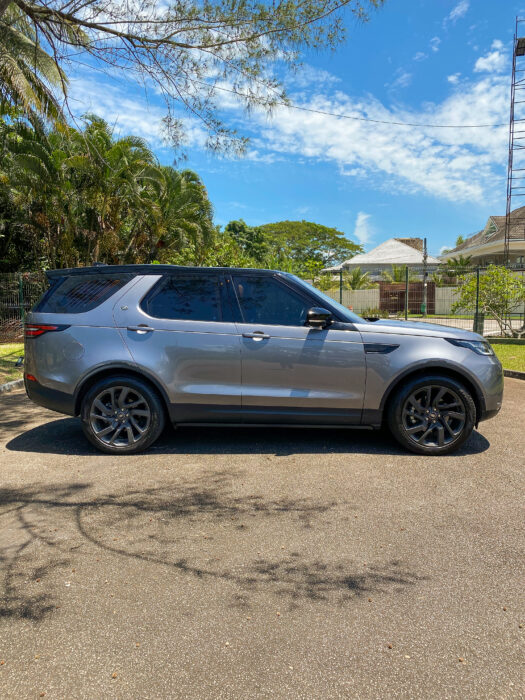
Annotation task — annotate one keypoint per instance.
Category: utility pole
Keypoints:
(425, 275)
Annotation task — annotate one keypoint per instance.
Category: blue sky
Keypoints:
(421, 61)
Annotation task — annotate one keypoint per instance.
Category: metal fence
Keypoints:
(431, 296)
(18, 293)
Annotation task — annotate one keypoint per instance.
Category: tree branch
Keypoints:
(4, 4)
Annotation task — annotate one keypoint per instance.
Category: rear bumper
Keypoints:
(52, 399)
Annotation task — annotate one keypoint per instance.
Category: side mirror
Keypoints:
(318, 317)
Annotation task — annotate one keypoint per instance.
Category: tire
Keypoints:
(431, 415)
(122, 415)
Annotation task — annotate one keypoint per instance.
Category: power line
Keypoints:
(359, 119)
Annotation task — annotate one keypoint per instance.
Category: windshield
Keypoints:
(345, 313)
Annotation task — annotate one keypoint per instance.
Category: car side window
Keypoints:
(264, 300)
(191, 297)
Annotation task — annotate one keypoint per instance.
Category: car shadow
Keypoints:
(65, 437)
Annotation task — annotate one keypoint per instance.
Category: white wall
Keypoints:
(359, 299)
(445, 297)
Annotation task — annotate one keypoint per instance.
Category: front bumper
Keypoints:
(491, 380)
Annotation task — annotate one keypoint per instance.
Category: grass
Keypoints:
(511, 356)
(9, 354)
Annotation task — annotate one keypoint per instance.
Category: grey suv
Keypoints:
(128, 347)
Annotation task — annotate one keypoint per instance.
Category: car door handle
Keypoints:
(256, 335)
(141, 329)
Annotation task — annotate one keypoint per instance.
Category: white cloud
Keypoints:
(459, 11)
(454, 78)
(127, 113)
(434, 43)
(419, 56)
(402, 80)
(308, 75)
(452, 164)
(493, 62)
(363, 230)
(302, 211)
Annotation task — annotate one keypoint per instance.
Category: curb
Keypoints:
(514, 373)
(11, 386)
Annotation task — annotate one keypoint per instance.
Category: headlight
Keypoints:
(479, 346)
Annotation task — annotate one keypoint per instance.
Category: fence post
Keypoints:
(479, 318)
(21, 298)
(341, 286)
(406, 293)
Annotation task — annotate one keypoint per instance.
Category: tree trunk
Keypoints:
(4, 4)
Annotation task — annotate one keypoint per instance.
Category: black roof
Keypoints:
(145, 270)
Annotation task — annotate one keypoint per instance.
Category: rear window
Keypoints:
(80, 293)
(193, 297)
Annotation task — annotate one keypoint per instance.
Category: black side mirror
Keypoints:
(318, 317)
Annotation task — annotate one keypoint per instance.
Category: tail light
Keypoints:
(32, 330)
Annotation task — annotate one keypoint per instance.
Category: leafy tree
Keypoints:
(191, 51)
(326, 282)
(459, 240)
(302, 241)
(251, 240)
(500, 294)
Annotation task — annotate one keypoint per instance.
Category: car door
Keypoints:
(292, 372)
(179, 328)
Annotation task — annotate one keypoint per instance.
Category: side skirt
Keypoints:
(275, 425)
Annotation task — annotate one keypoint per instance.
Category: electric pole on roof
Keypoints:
(515, 225)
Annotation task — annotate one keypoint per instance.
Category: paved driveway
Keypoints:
(256, 564)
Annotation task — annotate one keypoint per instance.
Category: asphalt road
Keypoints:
(260, 564)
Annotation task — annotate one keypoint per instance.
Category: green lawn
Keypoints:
(511, 356)
(9, 354)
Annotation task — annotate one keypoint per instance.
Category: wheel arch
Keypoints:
(446, 371)
(121, 370)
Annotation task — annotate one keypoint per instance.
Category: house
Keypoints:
(394, 251)
(488, 245)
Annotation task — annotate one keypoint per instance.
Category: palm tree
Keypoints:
(186, 215)
(73, 197)
(355, 279)
(398, 274)
(29, 77)
(38, 183)
(458, 265)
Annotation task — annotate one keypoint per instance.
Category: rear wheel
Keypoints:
(122, 415)
(432, 415)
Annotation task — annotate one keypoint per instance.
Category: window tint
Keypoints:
(193, 297)
(266, 300)
(79, 293)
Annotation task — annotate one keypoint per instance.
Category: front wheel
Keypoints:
(122, 415)
(432, 415)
